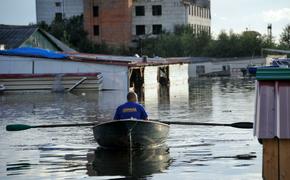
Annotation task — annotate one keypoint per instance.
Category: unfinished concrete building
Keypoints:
(119, 22)
(109, 21)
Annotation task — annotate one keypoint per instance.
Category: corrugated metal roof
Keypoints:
(129, 61)
(57, 42)
(273, 74)
(125, 60)
(14, 36)
(272, 117)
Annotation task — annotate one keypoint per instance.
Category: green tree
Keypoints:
(285, 38)
(182, 42)
(251, 43)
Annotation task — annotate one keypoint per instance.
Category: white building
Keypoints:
(48, 10)
(200, 67)
(152, 17)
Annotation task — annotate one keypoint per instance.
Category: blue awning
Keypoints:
(34, 52)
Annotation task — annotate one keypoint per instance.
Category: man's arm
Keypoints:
(144, 115)
(117, 114)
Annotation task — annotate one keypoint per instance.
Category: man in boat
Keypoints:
(131, 109)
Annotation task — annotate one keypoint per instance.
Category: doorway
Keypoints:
(136, 76)
(163, 76)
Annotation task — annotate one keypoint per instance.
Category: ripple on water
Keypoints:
(194, 151)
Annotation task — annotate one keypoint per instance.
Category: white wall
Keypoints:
(178, 74)
(151, 85)
(217, 66)
(173, 13)
(115, 77)
(8, 66)
(192, 19)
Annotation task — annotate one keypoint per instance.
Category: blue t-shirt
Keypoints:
(130, 110)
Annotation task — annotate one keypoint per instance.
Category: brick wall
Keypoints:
(114, 20)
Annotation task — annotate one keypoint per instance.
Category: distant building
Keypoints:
(122, 21)
(48, 10)
(29, 36)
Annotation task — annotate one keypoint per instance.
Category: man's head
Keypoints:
(132, 97)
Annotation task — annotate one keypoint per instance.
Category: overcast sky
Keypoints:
(226, 14)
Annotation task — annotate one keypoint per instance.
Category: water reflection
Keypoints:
(134, 163)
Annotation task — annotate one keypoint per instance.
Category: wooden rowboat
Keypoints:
(126, 134)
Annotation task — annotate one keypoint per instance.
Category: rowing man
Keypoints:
(131, 109)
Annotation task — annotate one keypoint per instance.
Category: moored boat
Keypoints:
(276, 63)
(51, 82)
(127, 134)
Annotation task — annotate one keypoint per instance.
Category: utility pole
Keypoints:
(269, 30)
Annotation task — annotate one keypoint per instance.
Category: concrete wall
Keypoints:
(150, 77)
(173, 13)
(178, 75)
(150, 85)
(46, 9)
(117, 19)
(115, 77)
(199, 18)
(178, 89)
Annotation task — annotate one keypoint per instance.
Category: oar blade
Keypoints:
(17, 127)
(243, 125)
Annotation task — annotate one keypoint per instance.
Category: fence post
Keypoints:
(272, 121)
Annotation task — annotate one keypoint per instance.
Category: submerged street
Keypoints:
(191, 151)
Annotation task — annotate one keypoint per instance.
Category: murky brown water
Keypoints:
(192, 152)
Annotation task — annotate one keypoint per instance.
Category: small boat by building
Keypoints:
(51, 82)
(276, 63)
(126, 134)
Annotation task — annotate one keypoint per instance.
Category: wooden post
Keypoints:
(270, 159)
(276, 159)
(284, 159)
(272, 122)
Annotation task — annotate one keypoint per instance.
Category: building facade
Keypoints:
(119, 22)
(48, 10)
(109, 21)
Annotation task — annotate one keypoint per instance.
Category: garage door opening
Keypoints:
(136, 77)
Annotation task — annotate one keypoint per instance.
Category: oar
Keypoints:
(20, 127)
(242, 125)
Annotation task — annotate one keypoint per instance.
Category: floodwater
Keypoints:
(191, 152)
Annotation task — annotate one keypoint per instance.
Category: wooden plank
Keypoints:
(77, 84)
(270, 159)
(40, 82)
(284, 159)
(49, 87)
(48, 79)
